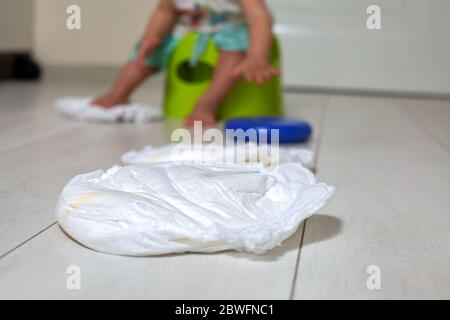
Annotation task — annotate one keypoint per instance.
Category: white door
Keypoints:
(326, 43)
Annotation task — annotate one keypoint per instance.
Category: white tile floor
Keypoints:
(388, 158)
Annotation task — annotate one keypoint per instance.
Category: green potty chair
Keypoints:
(185, 85)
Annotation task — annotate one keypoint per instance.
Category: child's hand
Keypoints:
(256, 70)
(147, 47)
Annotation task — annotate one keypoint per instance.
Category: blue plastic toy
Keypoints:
(290, 130)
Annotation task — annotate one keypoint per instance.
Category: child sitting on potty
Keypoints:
(241, 29)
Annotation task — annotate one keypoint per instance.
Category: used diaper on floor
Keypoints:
(142, 210)
(80, 108)
(238, 153)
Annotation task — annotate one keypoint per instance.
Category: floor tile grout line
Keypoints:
(26, 241)
(297, 262)
(323, 114)
(425, 129)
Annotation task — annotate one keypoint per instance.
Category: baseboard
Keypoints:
(82, 73)
(368, 92)
(18, 66)
(109, 73)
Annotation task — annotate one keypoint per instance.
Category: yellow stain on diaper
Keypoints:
(81, 200)
(253, 159)
(154, 158)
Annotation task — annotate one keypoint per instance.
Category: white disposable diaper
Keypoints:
(241, 153)
(172, 207)
(80, 108)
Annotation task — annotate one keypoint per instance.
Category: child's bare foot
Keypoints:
(109, 101)
(207, 118)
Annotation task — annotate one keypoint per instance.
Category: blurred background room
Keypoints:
(377, 96)
(326, 44)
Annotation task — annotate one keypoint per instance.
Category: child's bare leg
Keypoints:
(130, 77)
(222, 82)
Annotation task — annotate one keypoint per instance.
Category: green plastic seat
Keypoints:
(186, 84)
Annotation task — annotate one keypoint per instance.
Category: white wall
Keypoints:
(109, 29)
(15, 25)
(327, 44)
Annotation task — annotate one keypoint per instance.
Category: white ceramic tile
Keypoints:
(34, 175)
(26, 115)
(433, 116)
(38, 271)
(391, 207)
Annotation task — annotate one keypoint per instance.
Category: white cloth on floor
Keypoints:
(142, 210)
(248, 153)
(80, 108)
